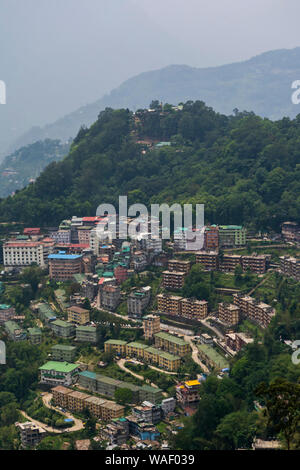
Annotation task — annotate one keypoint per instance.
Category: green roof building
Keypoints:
(63, 328)
(86, 334)
(58, 373)
(14, 331)
(35, 335)
(63, 352)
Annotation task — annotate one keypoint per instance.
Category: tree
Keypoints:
(282, 400)
(123, 396)
(237, 430)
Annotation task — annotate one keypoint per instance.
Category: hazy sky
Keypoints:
(57, 55)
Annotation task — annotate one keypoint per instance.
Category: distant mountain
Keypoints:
(26, 164)
(261, 84)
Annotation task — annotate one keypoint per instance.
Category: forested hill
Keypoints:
(245, 169)
(24, 165)
(261, 84)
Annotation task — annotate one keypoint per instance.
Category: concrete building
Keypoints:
(34, 335)
(135, 349)
(208, 259)
(256, 263)
(138, 301)
(62, 328)
(14, 331)
(63, 352)
(86, 334)
(194, 309)
(115, 346)
(173, 280)
(62, 267)
(151, 325)
(289, 266)
(171, 344)
(206, 339)
(6, 313)
(78, 315)
(228, 313)
(179, 265)
(211, 238)
(170, 304)
(236, 341)
(110, 297)
(188, 392)
(23, 253)
(257, 311)
(232, 235)
(30, 433)
(229, 262)
(290, 232)
(58, 373)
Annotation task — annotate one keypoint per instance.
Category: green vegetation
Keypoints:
(245, 169)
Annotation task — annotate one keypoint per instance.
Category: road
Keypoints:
(195, 354)
(78, 424)
(42, 425)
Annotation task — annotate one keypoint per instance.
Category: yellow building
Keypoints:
(151, 325)
(136, 350)
(168, 361)
(78, 315)
(115, 346)
(172, 344)
(77, 401)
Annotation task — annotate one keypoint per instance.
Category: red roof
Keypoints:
(22, 244)
(30, 230)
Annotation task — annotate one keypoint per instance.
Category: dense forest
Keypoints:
(245, 169)
(26, 164)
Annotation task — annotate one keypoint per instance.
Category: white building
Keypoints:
(23, 253)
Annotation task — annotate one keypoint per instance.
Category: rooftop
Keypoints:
(59, 366)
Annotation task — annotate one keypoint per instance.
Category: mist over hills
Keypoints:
(261, 84)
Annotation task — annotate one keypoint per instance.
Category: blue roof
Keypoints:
(63, 256)
(87, 373)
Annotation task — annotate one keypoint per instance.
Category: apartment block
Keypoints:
(179, 265)
(229, 262)
(14, 331)
(76, 401)
(289, 266)
(208, 259)
(255, 263)
(257, 311)
(30, 433)
(58, 373)
(138, 301)
(63, 352)
(151, 325)
(172, 344)
(6, 313)
(86, 334)
(290, 232)
(173, 280)
(232, 235)
(236, 341)
(34, 335)
(115, 346)
(135, 349)
(170, 304)
(78, 315)
(188, 392)
(23, 253)
(228, 313)
(110, 297)
(194, 309)
(62, 267)
(62, 328)
(211, 238)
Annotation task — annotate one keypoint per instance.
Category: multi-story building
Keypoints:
(228, 313)
(206, 339)
(173, 279)
(23, 253)
(170, 304)
(14, 331)
(255, 263)
(78, 315)
(251, 308)
(115, 346)
(62, 267)
(179, 265)
(139, 261)
(46, 313)
(289, 266)
(290, 232)
(236, 341)
(34, 335)
(151, 325)
(6, 313)
(211, 238)
(171, 344)
(110, 297)
(194, 309)
(188, 392)
(61, 237)
(62, 328)
(232, 235)
(58, 373)
(76, 401)
(229, 262)
(30, 433)
(60, 395)
(135, 349)
(121, 274)
(208, 259)
(137, 301)
(63, 352)
(148, 412)
(86, 334)
(84, 235)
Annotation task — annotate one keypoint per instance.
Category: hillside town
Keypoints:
(127, 346)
